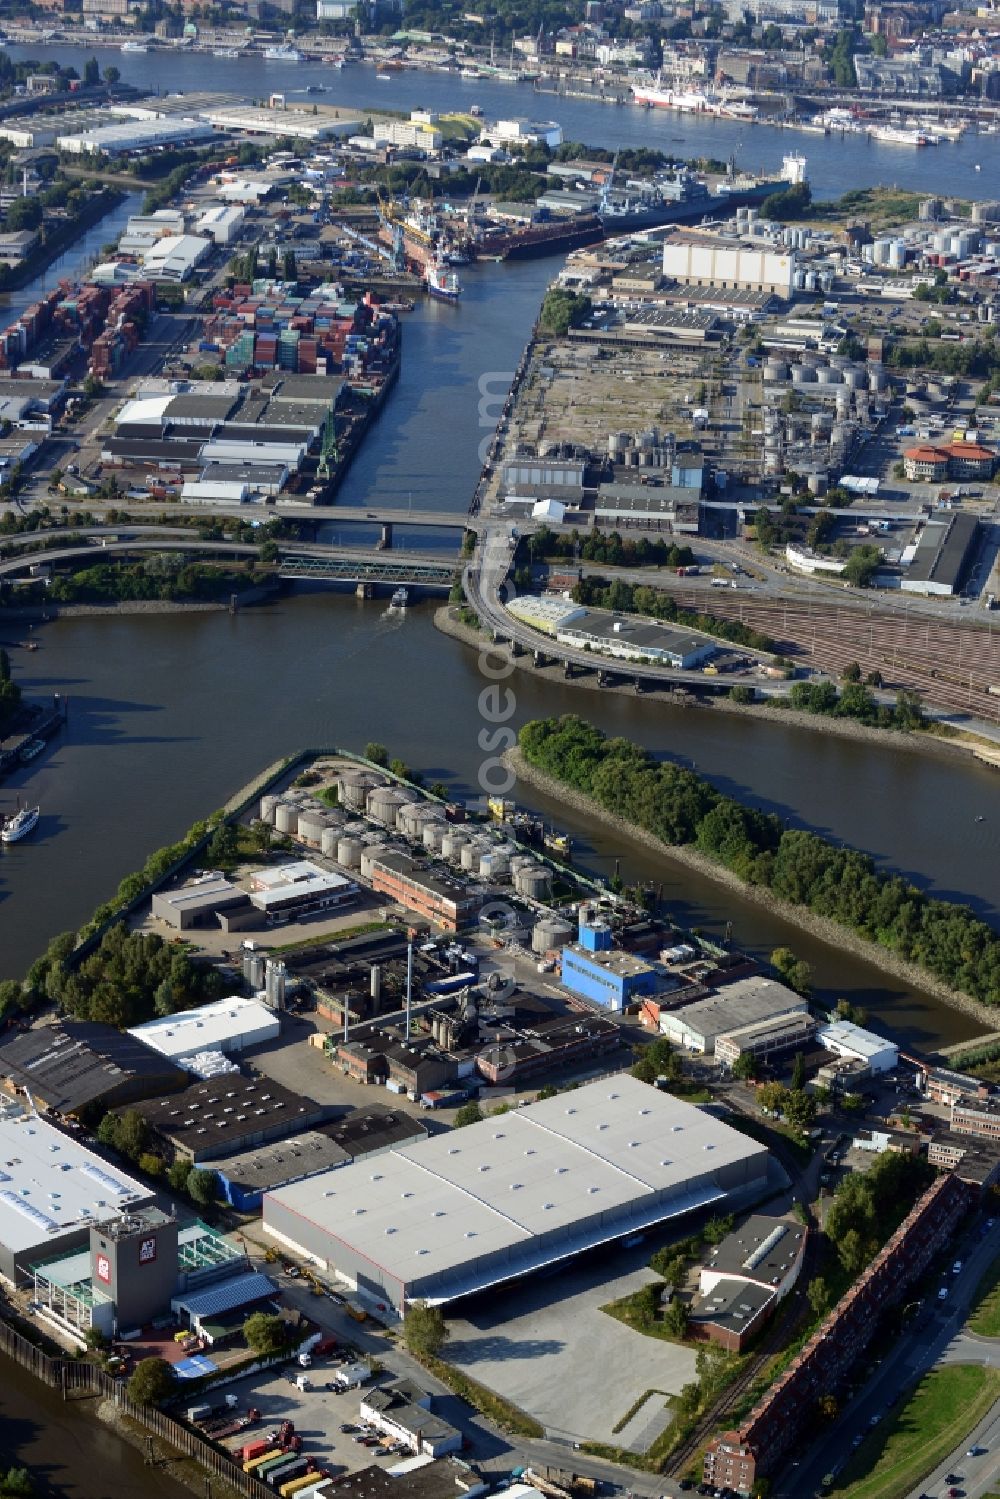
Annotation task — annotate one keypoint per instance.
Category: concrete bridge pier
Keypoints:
(568, 670)
(365, 590)
(540, 659)
(385, 541)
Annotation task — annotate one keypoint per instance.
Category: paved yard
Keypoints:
(550, 1349)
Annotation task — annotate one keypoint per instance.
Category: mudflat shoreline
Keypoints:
(825, 930)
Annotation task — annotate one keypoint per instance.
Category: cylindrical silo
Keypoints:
(286, 817)
(383, 804)
(550, 933)
(535, 883)
(311, 827)
(267, 806)
(349, 853)
(433, 836)
(452, 843)
(775, 370)
(472, 853)
(353, 787)
(803, 374)
(328, 842)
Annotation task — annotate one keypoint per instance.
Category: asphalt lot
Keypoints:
(549, 1348)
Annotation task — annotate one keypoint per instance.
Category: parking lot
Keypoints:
(550, 1349)
(317, 1413)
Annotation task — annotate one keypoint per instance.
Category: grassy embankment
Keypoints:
(985, 1318)
(940, 1413)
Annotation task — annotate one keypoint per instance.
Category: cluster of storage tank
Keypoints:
(816, 281)
(649, 449)
(299, 815)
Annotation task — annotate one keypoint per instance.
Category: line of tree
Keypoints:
(131, 977)
(609, 548)
(944, 938)
(855, 700)
(639, 598)
(10, 693)
(165, 578)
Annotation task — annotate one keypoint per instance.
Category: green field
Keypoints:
(938, 1416)
(985, 1318)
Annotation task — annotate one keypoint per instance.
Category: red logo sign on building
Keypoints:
(104, 1268)
(147, 1251)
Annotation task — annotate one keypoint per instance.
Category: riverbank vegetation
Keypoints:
(131, 977)
(609, 548)
(797, 866)
(10, 693)
(166, 578)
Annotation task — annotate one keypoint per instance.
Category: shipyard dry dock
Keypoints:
(469, 1210)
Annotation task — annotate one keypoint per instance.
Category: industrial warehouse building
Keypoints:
(219, 1116)
(463, 1212)
(228, 1026)
(628, 638)
(743, 1003)
(707, 259)
(442, 900)
(77, 1063)
(937, 561)
(849, 1040)
(52, 1190)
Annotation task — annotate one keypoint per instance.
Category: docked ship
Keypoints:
(684, 198)
(282, 54)
(20, 825)
(225, 52)
(441, 282)
(901, 135)
(134, 47)
(686, 100)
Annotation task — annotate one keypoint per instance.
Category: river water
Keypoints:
(170, 714)
(835, 165)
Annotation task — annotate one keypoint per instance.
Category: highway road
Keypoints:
(934, 1328)
(192, 543)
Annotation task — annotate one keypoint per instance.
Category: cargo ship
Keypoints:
(684, 198)
(441, 282)
(901, 135)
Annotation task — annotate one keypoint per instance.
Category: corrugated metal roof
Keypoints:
(253, 1285)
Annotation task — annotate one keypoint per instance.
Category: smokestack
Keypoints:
(409, 985)
(376, 985)
(347, 1017)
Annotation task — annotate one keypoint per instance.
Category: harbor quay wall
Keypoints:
(78, 1380)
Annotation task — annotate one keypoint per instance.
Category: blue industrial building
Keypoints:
(592, 969)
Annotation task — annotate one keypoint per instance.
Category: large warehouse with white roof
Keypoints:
(463, 1211)
(51, 1190)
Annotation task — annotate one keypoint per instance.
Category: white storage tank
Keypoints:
(550, 933)
(267, 806)
(452, 844)
(312, 826)
(803, 374)
(433, 836)
(328, 842)
(384, 803)
(495, 864)
(349, 853)
(354, 786)
(286, 817)
(775, 370)
(473, 852)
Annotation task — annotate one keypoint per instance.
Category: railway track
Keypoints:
(951, 665)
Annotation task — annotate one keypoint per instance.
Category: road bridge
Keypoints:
(315, 561)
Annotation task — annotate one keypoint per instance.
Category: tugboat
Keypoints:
(400, 599)
(20, 825)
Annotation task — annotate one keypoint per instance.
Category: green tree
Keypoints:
(772, 1097)
(152, 1382)
(745, 1066)
(202, 1185)
(376, 753)
(424, 1329)
(469, 1113)
(178, 1173)
(107, 1131)
(132, 1134)
(798, 1073)
(91, 73)
(674, 1272)
(223, 845)
(111, 76)
(675, 1318)
(796, 973)
(851, 672)
(800, 1110)
(17, 1484)
(264, 1334)
(818, 1296)
(289, 270)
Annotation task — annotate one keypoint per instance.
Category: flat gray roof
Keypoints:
(742, 1003)
(942, 550)
(637, 632)
(760, 1248)
(573, 1166)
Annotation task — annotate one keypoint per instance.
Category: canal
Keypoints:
(65, 1447)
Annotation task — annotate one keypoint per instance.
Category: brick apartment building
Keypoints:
(737, 1459)
(442, 900)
